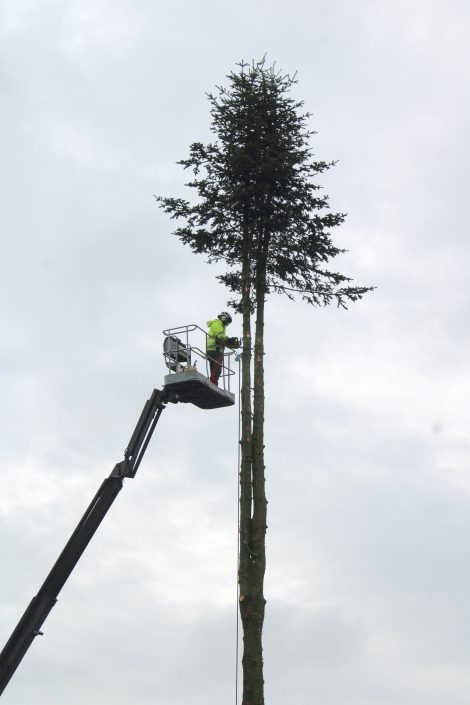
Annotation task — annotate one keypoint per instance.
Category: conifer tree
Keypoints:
(258, 210)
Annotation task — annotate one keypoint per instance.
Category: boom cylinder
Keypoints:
(38, 609)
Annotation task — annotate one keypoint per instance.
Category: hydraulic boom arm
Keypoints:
(31, 622)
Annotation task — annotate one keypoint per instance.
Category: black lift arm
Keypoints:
(31, 622)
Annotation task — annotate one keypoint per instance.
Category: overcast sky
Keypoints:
(368, 410)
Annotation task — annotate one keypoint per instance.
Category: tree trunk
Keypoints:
(253, 522)
(250, 658)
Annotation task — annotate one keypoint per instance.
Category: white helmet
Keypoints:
(225, 317)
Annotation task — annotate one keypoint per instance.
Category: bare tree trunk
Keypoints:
(253, 521)
(246, 433)
(249, 660)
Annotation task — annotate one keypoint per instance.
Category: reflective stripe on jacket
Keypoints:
(216, 334)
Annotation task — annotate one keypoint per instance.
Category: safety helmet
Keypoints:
(225, 317)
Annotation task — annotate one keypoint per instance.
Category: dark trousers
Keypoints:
(216, 360)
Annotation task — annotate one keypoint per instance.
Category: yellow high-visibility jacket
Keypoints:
(216, 337)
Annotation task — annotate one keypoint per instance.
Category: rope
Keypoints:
(238, 530)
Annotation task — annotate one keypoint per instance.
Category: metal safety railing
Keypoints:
(186, 346)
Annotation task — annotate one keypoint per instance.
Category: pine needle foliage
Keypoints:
(255, 189)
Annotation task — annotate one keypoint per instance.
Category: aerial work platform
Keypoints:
(196, 388)
(184, 383)
(183, 348)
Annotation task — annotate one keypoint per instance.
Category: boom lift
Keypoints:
(185, 384)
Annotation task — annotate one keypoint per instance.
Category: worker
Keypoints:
(216, 342)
